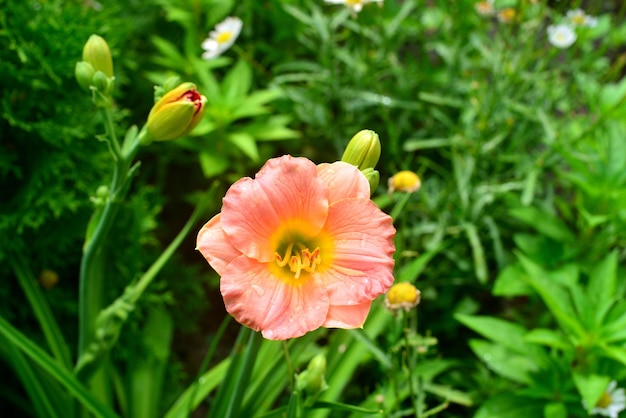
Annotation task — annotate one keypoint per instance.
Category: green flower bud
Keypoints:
(100, 82)
(176, 113)
(97, 53)
(373, 177)
(363, 150)
(84, 72)
(312, 380)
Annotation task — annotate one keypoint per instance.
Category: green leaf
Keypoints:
(195, 394)
(412, 144)
(553, 295)
(548, 338)
(503, 361)
(169, 51)
(337, 406)
(31, 381)
(478, 253)
(508, 334)
(55, 370)
(212, 164)
(246, 143)
(615, 328)
(611, 95)
(227, 402)
(348, 354)
(298, 14)
(449, 394)
(254, 104)
(544, 222)
(555, 410)
(382, 357)
(237, 81)
(145, 379)
(272, 373)
(602, 285)
(410, 272)
(616, 353)
(510, 405)
(591, 387)
(42, 311)
(272, 129)
(510, 282)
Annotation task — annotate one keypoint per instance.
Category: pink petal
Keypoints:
(285, 189)
(362, 265)
(343, 180)
(347, 317)
(280, 307)
(215, 246)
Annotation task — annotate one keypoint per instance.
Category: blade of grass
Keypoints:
(55, 369)
(42, 311)
(29, 379)
(229, 396)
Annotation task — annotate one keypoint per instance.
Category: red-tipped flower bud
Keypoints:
(176, 113)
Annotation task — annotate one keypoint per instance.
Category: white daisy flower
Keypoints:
(578, 17)
(222, 38)
(612, 402)
(561, 36)
(355, 5)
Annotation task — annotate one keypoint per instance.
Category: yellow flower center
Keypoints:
(223, 37)
(298, 257)
(298, 250)
(353, 2)
(604, 401)
(579, 19)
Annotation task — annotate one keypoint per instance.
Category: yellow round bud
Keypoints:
(404, 181)
(402, 296)
(48, 279)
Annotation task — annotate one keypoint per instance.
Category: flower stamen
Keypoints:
(300, 259)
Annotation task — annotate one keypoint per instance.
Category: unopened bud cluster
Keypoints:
(312, 380)
(96, 68)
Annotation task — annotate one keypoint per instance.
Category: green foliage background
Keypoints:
(519, 145)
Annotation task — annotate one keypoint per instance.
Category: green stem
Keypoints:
(415, 395)
(110, 320)
(154, 269)
(289, 366)
(93, 263)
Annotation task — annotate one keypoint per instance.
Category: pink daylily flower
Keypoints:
(300, 247)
